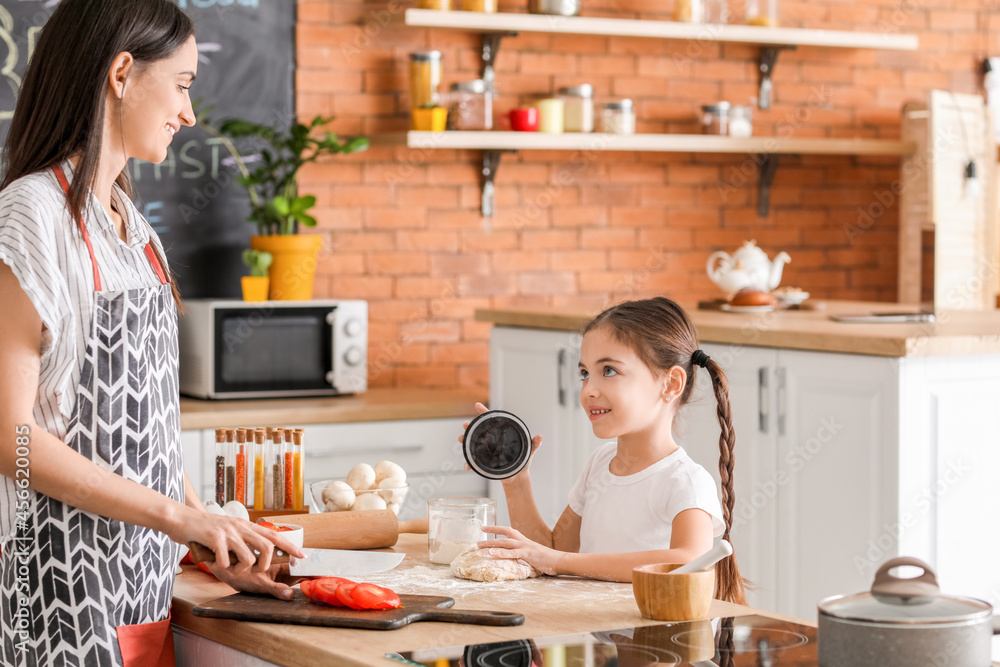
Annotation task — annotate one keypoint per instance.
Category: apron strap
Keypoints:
(154, 262)
(83, 228)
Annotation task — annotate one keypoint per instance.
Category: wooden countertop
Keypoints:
(551, 606)
(373, 405)
(954, 332)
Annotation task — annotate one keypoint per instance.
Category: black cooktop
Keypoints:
(742, 641)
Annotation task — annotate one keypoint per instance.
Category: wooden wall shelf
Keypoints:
(768, 149)
(583, 25)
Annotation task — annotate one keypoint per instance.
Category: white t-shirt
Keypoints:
(39, 241)
(630, 513)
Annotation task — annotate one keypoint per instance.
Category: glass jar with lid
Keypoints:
(425, 78)
(470, 106)
(618, 117)
(455, 524)
(725, 119)
(578, 108)
(486, 6)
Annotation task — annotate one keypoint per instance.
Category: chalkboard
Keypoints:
(246, 69)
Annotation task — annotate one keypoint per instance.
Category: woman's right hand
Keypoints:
(223, 534)
(535, 443)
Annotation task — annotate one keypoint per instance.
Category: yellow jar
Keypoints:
(425, 78)
(435, 4)
(485, 6)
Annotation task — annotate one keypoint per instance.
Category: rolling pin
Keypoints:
(368, 529)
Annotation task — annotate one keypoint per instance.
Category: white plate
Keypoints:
(745, 309)
(790, 298)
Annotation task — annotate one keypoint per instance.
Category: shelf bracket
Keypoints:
(765, 178)
(768, 59)
(491, 47)
(491, 163)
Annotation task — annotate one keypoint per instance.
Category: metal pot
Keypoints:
(556, 7)
(905, 622)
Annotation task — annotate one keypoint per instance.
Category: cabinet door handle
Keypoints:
(763, 398)
(311, 453)
(780, 372)
(560, 369)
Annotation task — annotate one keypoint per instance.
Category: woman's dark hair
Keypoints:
(663, 336)
(61, 107)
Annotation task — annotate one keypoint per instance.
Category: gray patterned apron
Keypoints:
(84, 575)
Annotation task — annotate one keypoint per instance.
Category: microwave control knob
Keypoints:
(331, 378)
(353, 356)
(331, 318)
(352, 327)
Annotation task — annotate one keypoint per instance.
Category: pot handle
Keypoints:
(896, 590)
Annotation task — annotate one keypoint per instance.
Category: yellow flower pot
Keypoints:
(430, 120)
(255, 288)
(294, 264)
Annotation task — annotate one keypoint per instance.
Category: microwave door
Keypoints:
(287, 352)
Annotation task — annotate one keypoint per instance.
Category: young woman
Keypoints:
(640, 499)
(94, 502)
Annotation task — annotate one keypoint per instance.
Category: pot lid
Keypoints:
(897, 601)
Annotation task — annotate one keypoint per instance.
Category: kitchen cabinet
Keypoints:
(843, 461)
(534, 374)
(427, 449)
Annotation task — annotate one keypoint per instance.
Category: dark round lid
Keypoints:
(497, 444)
(499, 654)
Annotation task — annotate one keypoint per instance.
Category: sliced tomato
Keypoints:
(370, 596)
(325, 590)
(205, 568)
(266, 524)
(344, 595)
(307, 588)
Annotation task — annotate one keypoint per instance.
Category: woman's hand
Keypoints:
(523, 473)
(516, 545)
(264, 582)
(252, 544)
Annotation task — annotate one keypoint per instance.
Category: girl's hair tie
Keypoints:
(699, 358)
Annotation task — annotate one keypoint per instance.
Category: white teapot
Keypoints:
(747, 268)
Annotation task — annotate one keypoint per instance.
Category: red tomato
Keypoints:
(325, 590)
(307, 588)
(344, 595)
(370, 596)
(266, 524)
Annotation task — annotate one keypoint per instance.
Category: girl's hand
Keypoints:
(535, 443)
(516, 545)
(223, 534)
(264, 582)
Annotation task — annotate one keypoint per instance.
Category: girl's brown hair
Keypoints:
(60, 109)
(663, 336)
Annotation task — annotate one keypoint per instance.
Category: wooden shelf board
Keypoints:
(665, 143)
(583, 25)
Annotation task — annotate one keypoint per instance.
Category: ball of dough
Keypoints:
(236, 509)
(338, 494)
(477, 565)
(394, 507)
(361, 477)
(369, 501)
(387, 469)
(390, 489)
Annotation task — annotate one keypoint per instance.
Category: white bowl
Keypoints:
(296, 535)
(398, 494)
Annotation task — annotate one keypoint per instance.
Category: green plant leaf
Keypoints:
(356, 145)
(303, 204)
(306, 220)
(282, 206)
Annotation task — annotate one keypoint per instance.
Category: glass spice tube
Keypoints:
(258, 469)
(277, 463)
(289, 469)
(220, 466)
(298, 475)
(240, 493)
(230, 464)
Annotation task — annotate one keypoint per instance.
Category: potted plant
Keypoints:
(430, 118)
(255, 286)
(277, 206)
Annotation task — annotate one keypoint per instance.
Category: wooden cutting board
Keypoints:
(300, 611)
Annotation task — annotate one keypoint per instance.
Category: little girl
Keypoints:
(640, 499)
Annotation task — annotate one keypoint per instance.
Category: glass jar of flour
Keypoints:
(454, 524)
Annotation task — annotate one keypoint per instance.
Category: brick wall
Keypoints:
(403, 228)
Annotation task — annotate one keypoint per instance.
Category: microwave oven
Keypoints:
(273, 349)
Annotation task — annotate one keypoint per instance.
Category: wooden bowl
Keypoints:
(662, 596)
